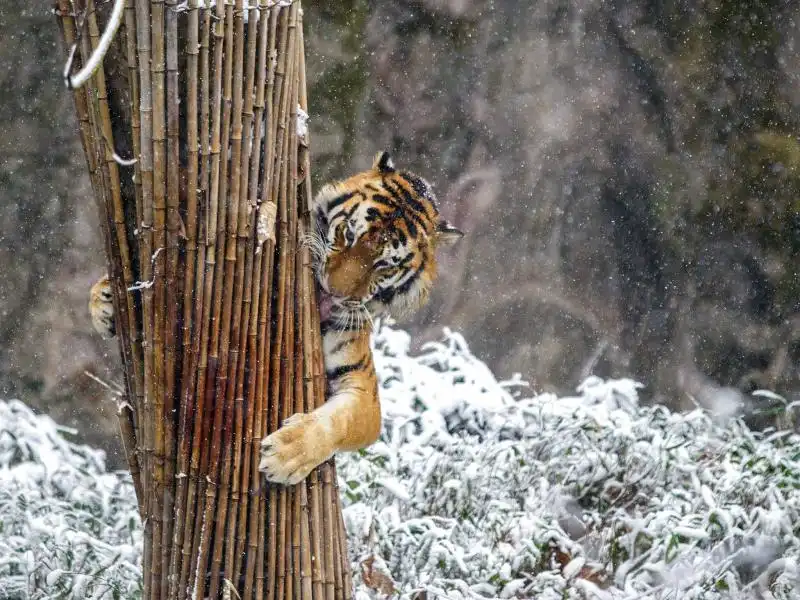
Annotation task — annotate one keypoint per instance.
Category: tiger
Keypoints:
(373, 243)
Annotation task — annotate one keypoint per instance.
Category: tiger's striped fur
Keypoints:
(373, 249)
(373, 246)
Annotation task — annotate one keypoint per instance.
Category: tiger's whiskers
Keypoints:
(316, 244)
(352, 316)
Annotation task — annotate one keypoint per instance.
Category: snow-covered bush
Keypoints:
(68, 529)
(475, 490)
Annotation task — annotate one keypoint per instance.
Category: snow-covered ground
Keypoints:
(477, 489)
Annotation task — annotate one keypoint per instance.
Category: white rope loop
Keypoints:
(95, 60)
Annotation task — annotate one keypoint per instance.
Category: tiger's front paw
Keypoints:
(101, 308)
(291, 453)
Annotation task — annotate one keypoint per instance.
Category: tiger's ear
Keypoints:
(446, 234)
(383, 163)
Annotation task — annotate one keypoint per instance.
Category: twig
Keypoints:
(115, 389)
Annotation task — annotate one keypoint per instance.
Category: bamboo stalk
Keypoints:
(134, 328)
(294, 402)
(146, 211)
(347, 576)
(282, 357)
(217, 35)
(124, 304)
(260, 368)
(264, 74)
(299, 576)
(277, 498)
(194, 388)
(291, 402)
(333, 576)
(222, 167)
(174, 286)
(251, 478)
(232, 297)
(240, 496)
(133, 82)
(145, 230)
(266, 558)
(205, 101)
(303, 359)
(194, 491)
(259, 510)
(159, 139)
(189, 365)
(293, 542)
(320, 548)
(314, 388)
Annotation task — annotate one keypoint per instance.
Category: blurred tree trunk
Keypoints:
(214, 300)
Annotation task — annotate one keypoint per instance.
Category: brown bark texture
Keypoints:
(198, 158)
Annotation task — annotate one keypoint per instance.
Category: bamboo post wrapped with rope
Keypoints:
(194, 133)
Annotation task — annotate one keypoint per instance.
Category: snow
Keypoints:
(68, 528)
(302, 122)
(476, 489)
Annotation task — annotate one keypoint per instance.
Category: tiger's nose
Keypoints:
(349, 236)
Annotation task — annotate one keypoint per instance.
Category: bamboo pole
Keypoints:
(258, 349)
(245, 251)
(145, 230)
(192, 276)
(194, 384)
(293, 401)
(134, 329)
(214, 292)
(159, 324)
(174, 287)
(314, 390)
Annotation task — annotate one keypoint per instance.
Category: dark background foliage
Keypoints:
(628, 174)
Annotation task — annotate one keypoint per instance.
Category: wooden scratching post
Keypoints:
(193, 126)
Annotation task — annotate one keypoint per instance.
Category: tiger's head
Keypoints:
(374, 242)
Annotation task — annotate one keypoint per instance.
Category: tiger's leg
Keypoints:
(349, 420)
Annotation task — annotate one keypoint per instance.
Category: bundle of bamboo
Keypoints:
(214, 297)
